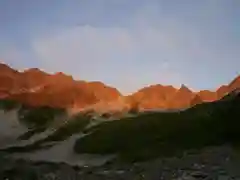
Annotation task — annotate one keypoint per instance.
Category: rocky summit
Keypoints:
(37, 88)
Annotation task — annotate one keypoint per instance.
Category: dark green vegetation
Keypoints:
(7, 105)
(38, 117)
(154, 134)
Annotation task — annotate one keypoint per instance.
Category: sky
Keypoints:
(127, 44)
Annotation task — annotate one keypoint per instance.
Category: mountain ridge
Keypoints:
(38, 88)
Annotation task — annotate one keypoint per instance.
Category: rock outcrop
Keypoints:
(38, 88)
(168, 97)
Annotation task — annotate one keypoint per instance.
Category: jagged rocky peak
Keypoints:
(234, 84)
(59, 74)
(62, 75)
(222, 91)
(4, 68)
(62, 78)
(185, 89)
(85, 93)
(63, 88)
(235, 92)
(33, 70)
(156, 86)
(232, 95)
(183, 86)
(226, 89)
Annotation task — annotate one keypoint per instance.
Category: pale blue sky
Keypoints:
(125, 43)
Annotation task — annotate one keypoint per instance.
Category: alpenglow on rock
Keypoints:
(37, 88)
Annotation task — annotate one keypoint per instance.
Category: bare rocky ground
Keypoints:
(212, 163)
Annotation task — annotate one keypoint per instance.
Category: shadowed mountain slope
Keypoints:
(153, 134)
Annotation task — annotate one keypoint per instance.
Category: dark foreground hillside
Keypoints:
(156, 134)
(212, 163)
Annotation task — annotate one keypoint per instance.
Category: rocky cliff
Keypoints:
(37, 88)
(168, 97)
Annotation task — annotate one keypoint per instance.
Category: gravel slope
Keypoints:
(212, 163)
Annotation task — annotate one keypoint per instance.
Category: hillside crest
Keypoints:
(38, 88)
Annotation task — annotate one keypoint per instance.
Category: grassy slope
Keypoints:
(38, 117)
(155, 134)
(8, 105)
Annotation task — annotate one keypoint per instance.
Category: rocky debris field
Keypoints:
(212, 163)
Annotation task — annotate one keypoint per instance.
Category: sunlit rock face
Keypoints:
(38, 88)
(119, 105)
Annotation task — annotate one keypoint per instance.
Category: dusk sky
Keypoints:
(127, 44)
